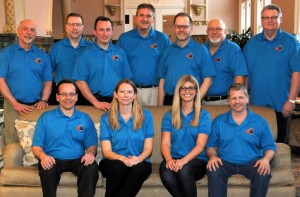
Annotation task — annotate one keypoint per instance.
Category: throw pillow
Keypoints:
(25, 131)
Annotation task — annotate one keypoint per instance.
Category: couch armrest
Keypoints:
(282, 157)
(13, 155)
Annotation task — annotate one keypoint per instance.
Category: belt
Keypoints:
(107, 99)
(215, 98)
(146, 86)
(27, 103)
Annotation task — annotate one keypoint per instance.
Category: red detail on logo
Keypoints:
(190, 56)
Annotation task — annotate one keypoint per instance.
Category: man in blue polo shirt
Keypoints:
(25, 75)
(144, 46)
(65, 140)
(101, 66)
(274, 72)
(240, 142)
(183, 57)
(229, 62)
(64, 53)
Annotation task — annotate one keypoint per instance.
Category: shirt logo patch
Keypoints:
(38, 60)
(279, 48)
(189, 56)
(218, 59)
(250, 131)
(153, 46)
(79, 128)
(115, 57)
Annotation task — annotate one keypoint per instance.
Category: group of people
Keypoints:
(144, 69)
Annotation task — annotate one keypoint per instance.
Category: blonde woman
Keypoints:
(127, 140)
(185, 131)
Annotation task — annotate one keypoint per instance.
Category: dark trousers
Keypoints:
(87, 177)
(283, 127)
(182, 183)
(168, 99)
(217, 180)
(123, 181)
(52, 99)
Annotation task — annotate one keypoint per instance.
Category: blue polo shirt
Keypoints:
(183, 140)
(229, 62)
(25, 71)
(193, 59)
(239, 144)
(102, 69)
(270, 67)
(126, 141)
(143, 54)
(64, 137)
(63, 58)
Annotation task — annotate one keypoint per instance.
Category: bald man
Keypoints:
(228, 60)
(25, 75)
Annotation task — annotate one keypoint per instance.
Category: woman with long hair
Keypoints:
(185, 131)
(127, 140)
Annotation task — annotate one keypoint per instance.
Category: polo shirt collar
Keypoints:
(67, 42)
(32, 48)
(111, 47)
(190, 44)
(60, 114)
(151, 33)
(277, 37)
(249, 118)
(223, 44)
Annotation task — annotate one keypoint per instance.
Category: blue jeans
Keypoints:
(217, 180)
(182, 183)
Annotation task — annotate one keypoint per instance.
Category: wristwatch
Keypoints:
(292, 101)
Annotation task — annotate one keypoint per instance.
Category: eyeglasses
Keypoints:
(190, 88)
(64, 94)
(266, 18)
(217, 29)
(74, 24)
(181, 26)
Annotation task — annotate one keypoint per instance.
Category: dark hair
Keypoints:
(64, 81)
(102, 18)
(73, 14)
(236, 87)
(272, 7)
(183, 14)
(145, 5)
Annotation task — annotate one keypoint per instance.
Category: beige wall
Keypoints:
(2, 15)
(288, 15)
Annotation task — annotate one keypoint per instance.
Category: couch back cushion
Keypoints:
(158, 113)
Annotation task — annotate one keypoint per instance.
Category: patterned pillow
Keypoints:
(25, 131)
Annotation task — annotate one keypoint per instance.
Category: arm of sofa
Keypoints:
(13, 155)
(282, 157)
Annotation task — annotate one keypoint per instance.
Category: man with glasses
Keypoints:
(65, 140)
(25, 76)
(274, 73)
(64, 53)
(228, 60)
(185, 56)
(101, 66)
(144, 46)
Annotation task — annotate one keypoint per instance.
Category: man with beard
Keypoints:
(101, 66)
(65, 140)
(229, 62)
(240, 142)
(25, 76)
(185, 56)
(64, 53)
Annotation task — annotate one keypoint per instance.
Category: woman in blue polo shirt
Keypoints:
(127, 140)
(185, 131)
